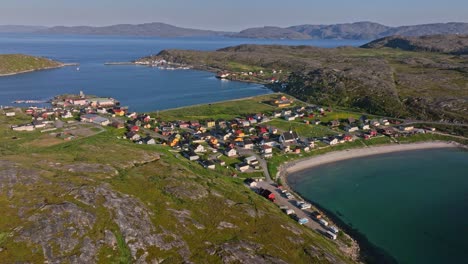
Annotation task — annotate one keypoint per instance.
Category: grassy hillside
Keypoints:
(18, 63)
(451, 44)
(392, 82)
(106, 200)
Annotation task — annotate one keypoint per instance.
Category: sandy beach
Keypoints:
(361, 152)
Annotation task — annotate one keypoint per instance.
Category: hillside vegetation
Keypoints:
(452, 44)
(102, 199)
(392, 82)
(18, 63)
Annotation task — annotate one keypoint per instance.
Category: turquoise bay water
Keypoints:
(413, 204)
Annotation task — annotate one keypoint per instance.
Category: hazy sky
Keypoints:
(230, 15)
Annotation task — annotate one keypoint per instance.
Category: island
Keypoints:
(11, 64)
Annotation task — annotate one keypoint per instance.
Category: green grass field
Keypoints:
(14, 63)
(302, 129)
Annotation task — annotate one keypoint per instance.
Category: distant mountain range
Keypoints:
(148, 29)
(358, 30)
(20, 29)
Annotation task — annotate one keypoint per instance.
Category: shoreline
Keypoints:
(367, 250)
(334, 156)
(41, 69)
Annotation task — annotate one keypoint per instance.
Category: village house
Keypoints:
(230, 152)
(101, 111)
(190, 155)
(117, 124)
(79, 101)
(208, 164)
(248, 144)
(197, 148)
(286, 113)
(118, 112)
(331, 141)
(250, 182)
(220, 162)
(289, 118)
(10, 114)
(101, 102)
(92, 118)
(242, 167)
(347, 137)
(288, 137)
(149, 140)
(364, 126)
(67, 114)
(221, 124)
(39, 124)
(267, 151)
(210, 123)
(184, 125)
(351, 128)
(384, 122)
(334, 123)
(375, 123)
(282, 102)
(268, 142)
(25, 127)
(406, 128)
(134, 136)
(252, 160)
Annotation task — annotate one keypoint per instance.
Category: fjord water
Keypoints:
(413, 205)
(141, 88)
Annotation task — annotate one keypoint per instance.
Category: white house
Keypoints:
(351, 128)
(230, 152)
(252, 160)
(198, 148)
(242, 167)
(365, 126)
(332, 141)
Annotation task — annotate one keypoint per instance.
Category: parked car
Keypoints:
(303, 221)
(323, 222)
(330, 235)
(334, 229)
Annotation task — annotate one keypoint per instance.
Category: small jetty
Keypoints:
(119, 63)
(30, 102)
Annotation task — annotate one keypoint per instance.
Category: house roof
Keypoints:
(290, 135)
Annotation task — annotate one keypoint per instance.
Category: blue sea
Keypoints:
(139, 87)
(412, 205)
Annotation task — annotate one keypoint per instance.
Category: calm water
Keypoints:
(141, 88)
(412, 204)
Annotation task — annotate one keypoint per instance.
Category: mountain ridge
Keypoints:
(356, 30)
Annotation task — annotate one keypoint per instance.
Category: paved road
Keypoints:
(281, 200)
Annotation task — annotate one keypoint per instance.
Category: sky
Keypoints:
(233, 15)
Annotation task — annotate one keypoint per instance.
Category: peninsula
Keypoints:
(11, 64)
(386, 79)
